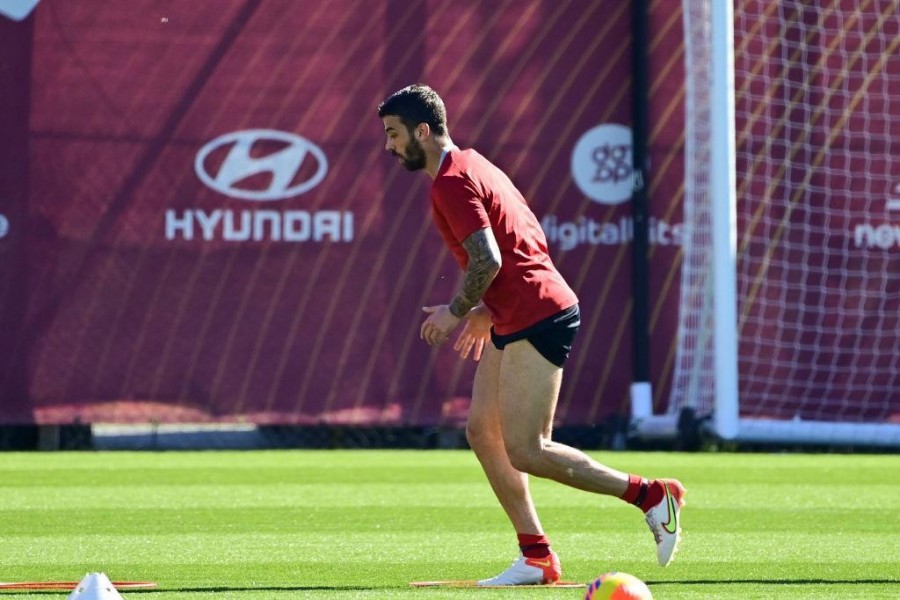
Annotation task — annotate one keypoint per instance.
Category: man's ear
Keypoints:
(423, 130)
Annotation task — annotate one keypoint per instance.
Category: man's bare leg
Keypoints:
(528, 390)
(485, 438)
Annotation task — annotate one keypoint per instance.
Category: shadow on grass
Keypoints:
(893, 581)
(220, 589)
(339, 588)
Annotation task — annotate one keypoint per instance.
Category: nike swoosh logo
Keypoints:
(673, 512)
(539, 563)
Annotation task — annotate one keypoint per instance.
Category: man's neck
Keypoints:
(435, 156)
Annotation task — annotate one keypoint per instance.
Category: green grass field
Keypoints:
(362, 524)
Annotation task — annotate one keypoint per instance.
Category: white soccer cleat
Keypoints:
(664, 520)
(528, 571)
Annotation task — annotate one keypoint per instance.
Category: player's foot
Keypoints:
(664, 519)
(528, 571)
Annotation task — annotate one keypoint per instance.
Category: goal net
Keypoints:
(817, 195)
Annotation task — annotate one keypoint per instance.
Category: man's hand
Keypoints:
(437, 327)
(475, 334)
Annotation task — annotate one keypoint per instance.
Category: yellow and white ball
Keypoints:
(618, 586)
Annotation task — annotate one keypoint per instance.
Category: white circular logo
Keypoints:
(284, 164)
(601, 163)
(4, 226)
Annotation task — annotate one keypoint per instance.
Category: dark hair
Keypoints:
(416, 104)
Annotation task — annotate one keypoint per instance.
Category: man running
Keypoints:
(519, 320)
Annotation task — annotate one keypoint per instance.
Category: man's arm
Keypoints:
(484, 264)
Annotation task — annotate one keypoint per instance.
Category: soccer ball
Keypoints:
(618, 586)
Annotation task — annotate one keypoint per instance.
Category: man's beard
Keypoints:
(415, 159)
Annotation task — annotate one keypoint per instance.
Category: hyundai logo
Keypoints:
(284, 165)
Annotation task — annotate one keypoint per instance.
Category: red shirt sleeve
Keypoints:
(460, 204)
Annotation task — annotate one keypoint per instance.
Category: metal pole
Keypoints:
(723, 194)
(641, 395)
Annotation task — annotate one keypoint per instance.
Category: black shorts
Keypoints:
(552, 337)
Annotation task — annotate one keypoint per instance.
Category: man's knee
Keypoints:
(480, 435)
(524, 457)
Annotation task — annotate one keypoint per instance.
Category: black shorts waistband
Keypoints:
(551, 337)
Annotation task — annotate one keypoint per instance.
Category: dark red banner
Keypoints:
(205, 226)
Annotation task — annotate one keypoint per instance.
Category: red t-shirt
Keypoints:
(469, 193)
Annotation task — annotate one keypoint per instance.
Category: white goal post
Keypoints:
(789, 324)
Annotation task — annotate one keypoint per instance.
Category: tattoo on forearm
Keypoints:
(484, 263)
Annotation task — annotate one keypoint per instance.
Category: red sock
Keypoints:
(534, 546)
(655, 493)
(642, 493)
(636, 485)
